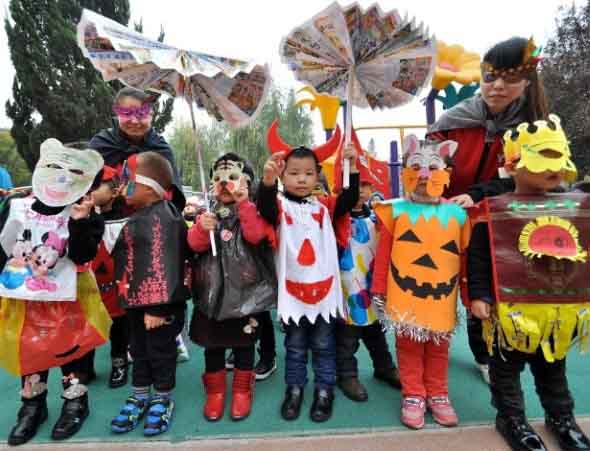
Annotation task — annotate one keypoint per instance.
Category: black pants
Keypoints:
(550, 383)
(80, 368)
(267, 344)
(243, 358)
(119, 336)
(154, 351)
(477, 344)
(347, 344)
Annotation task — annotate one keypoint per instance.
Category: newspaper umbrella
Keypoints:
(228, 89)
(368, 58)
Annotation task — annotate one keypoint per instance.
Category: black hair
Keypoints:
(230, 156)
(155, 166)
(134, 93)
(304, 152)
(509, 54)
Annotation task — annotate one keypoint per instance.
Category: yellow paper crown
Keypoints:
(526, 142)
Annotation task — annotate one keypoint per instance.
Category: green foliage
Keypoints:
(57, 93)
(12, 162)
(249, 142)
(566, 75)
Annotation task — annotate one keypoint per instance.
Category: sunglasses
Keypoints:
(511, 79)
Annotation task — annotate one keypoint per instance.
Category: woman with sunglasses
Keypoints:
(511, 93)
(132, 133)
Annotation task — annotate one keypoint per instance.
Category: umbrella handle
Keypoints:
(348, 125)
(201, 173)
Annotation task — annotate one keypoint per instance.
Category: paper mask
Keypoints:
(524, 148)
(229, 175)
(64, 175)
(426, 160)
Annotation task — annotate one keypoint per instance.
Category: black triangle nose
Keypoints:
(426, 261)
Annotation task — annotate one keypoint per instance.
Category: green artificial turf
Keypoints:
(467, 390)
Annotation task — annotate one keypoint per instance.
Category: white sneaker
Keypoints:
(182, 351)
(484, 369)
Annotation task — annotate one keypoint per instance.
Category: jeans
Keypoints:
(317, 337)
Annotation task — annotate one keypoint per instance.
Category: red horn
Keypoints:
(274, 141)
(327, 149)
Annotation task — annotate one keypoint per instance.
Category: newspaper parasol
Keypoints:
(228, 89)
(368, 58)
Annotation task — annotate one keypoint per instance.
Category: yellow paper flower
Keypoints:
(551, 236)
(455, 64)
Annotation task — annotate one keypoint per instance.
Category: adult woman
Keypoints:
(132, 133)
(511, 93)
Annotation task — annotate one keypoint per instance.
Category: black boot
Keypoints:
(353, 389)
(119, 372)
(568, 433)
(519, 434)
(389, 375)
(73, 414)
(292, 403)
(321, 409)
(31, 415)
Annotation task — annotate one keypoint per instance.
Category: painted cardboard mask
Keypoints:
(64, 175)
(229, 175)
(426, 160)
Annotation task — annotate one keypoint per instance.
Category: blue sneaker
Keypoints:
(159, 416)
(129, 416)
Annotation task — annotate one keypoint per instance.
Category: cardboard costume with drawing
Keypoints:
(51, 310)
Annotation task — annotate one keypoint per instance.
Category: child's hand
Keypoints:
(242, 192)
(480, 309)
(208, 221)
(273, 168)
(463, 200)
(153, 322)
(349, 153)
(83, 209)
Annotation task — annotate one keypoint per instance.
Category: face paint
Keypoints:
(523, 149)
(125, 114)
(229, 175)
(63, 175)
(426, 161)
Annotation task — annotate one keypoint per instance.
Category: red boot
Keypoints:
(215, 390)
(242, 394)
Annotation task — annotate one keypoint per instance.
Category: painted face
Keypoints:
(229, 176)
(425, 171)
(64, 175)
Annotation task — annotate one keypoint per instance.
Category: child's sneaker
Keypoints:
(181, 350)
(159, 416)
(265, 368)
(413, 410)
(442, 411)
(133, 411)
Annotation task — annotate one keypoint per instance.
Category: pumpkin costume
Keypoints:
(528, 259)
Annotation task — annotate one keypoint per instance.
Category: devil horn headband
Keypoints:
(276, 144)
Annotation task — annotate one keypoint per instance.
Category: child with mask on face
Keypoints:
(47, 241)
(416, 278)
(150, 251)
(310, 294)
(232, 289)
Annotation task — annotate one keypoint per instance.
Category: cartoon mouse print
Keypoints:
(43, 259)
(17, 268)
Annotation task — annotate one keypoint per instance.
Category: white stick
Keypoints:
(201, 171)
(346, 162)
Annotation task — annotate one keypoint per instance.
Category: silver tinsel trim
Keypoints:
(33, 387)
(75, 390)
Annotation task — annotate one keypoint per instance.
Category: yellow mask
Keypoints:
(526, 147)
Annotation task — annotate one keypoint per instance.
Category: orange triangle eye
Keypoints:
(306, 255)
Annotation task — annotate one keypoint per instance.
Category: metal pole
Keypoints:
(394, 166)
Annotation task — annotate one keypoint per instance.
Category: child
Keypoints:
(47, 240)
(149, 253)
(361, 322)
(111, 205)
(537, 290)
(310, 294)
(416, 268)
(232, 289)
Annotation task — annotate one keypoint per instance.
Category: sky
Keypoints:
(253, 30)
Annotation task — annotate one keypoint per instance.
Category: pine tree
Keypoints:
(566, 75)
(56, 91)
